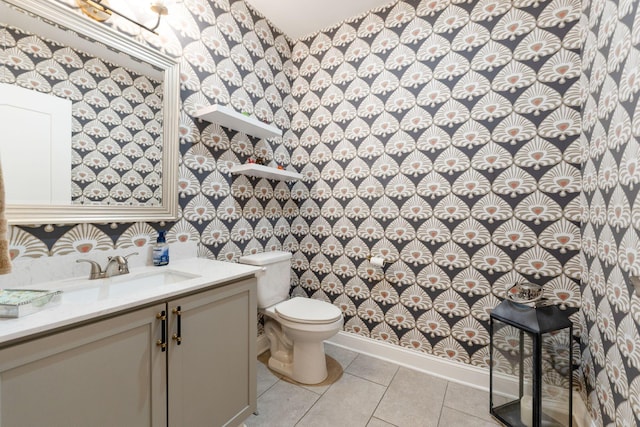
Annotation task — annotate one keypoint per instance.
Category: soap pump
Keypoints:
(161, 250)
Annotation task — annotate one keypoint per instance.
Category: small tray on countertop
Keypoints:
(20, 302)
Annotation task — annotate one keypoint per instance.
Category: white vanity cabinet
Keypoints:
(105, 373)
(117, 371)
(212, 357)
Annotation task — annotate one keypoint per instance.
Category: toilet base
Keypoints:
(309, 365)
(299, 354)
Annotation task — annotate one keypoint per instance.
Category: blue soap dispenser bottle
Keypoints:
(161, 250)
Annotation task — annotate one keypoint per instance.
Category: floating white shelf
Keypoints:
(262, 171)
(231, 119)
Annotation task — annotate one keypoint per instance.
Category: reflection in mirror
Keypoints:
(117, 158)
(36, 145)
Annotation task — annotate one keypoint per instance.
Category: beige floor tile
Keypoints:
(266, 378)
(318, 389)
(360, 398)
(282, 406)
(343, 356)
(468, 400)
(413, 399)
(375, 422)
(372, 369)
(452, 418)
(348, 402)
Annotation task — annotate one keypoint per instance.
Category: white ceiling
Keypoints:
(299, 18)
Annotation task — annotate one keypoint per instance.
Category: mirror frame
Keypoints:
(55, 15)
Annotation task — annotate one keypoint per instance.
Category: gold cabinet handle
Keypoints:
(177, 337)
(162, 342)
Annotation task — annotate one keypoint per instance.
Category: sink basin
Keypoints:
(121, 286)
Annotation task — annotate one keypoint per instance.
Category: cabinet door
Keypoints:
(105, 373)
(212, 370)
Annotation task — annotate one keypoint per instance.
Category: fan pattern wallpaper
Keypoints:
(442, 136)
(611, 210)
(116, 141)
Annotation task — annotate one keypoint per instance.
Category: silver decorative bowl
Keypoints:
(525, 293)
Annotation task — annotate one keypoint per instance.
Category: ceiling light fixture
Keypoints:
(100, 11)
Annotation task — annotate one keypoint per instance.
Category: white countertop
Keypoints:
(207, 273)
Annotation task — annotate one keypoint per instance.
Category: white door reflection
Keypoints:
(35, 146)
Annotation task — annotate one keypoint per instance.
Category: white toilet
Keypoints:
(296, 327)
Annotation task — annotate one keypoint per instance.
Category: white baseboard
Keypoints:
(469, 375)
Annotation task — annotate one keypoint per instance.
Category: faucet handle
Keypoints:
(96, 271)
(123, 262)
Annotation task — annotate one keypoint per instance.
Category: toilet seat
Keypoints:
(308, 311)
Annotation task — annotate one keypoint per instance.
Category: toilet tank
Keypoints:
(275, 280)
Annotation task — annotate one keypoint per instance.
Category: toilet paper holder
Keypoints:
(376, 261)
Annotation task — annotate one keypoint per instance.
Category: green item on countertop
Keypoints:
(19, 302)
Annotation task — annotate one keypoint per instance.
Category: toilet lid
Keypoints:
(307, 310)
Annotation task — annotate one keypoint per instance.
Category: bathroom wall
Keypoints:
(227, 54)
(610, 210)
(442, 136)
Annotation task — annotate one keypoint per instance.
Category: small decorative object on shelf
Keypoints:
(281, 167)
(530, 360)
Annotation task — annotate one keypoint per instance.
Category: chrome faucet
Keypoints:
(120, 261)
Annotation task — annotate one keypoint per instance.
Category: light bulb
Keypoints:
(159, 7)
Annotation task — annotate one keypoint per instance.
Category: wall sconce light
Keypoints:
(100, 11)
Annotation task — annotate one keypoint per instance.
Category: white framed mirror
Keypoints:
(123, 96)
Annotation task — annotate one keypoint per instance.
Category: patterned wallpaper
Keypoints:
(232, 57)
(442, 136)
(227, 55)
(116, 139)
(610, 210)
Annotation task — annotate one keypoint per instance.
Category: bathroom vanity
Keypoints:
(127, 351)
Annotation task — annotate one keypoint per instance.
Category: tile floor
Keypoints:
(372, 393)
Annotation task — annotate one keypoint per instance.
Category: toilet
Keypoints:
(296, 327)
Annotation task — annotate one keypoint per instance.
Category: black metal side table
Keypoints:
(530, 365)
